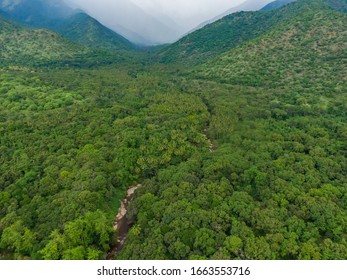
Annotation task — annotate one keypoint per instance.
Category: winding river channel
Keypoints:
(121, 224)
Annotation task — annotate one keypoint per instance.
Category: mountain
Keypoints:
(146, 30)
(4, 14)
(133, 22)
(70, 23)
(339, 5)
(87, 31)
(220, 36)
(37, 13)
(21, 45)
(248, 5)
(230, 32)
(132, 36)
(276, 4)
(289, 53)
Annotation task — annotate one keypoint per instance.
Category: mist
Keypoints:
(152, 22)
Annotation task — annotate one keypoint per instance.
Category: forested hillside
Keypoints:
(276, 4)
(235, 30)
(20, 45)
(240, 157)
(71, 24)
(309, 53)
(38, 13)
(85, 30)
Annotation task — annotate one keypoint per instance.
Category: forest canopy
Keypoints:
(241, 154)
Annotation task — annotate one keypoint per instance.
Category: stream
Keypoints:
(121, 224)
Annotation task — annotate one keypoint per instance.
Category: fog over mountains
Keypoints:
(159, 21)
(143, 22)
(248, 5)
(131, 21)
(36, 11)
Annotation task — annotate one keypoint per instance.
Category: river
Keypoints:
(121, 224)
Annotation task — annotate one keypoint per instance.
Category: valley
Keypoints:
(237, 133)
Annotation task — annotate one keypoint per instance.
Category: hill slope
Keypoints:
(232, 31)
(276, 5)
(289, 55)
(85, 30)
(37, 13)
(250, 5)
(339, 5)
(56, 16)
(20, 45)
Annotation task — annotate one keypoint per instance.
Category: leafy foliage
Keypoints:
(276, 4)
(67, 153)
(21, 45)
(237, 29)
(289, 56)
(242, 157)
(275, 187)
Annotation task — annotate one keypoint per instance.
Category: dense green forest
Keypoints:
(85, 30)
(241, 154)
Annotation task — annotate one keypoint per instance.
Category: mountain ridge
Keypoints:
(72, 24)
(142, 25)
(85, 30)
(262, 53)
(22, 45)
(276, 5)
(247, 6)
(36, 13)
(231, 31)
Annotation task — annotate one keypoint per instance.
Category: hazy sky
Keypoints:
(158, 21)
(184, 9)
(186, 12)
